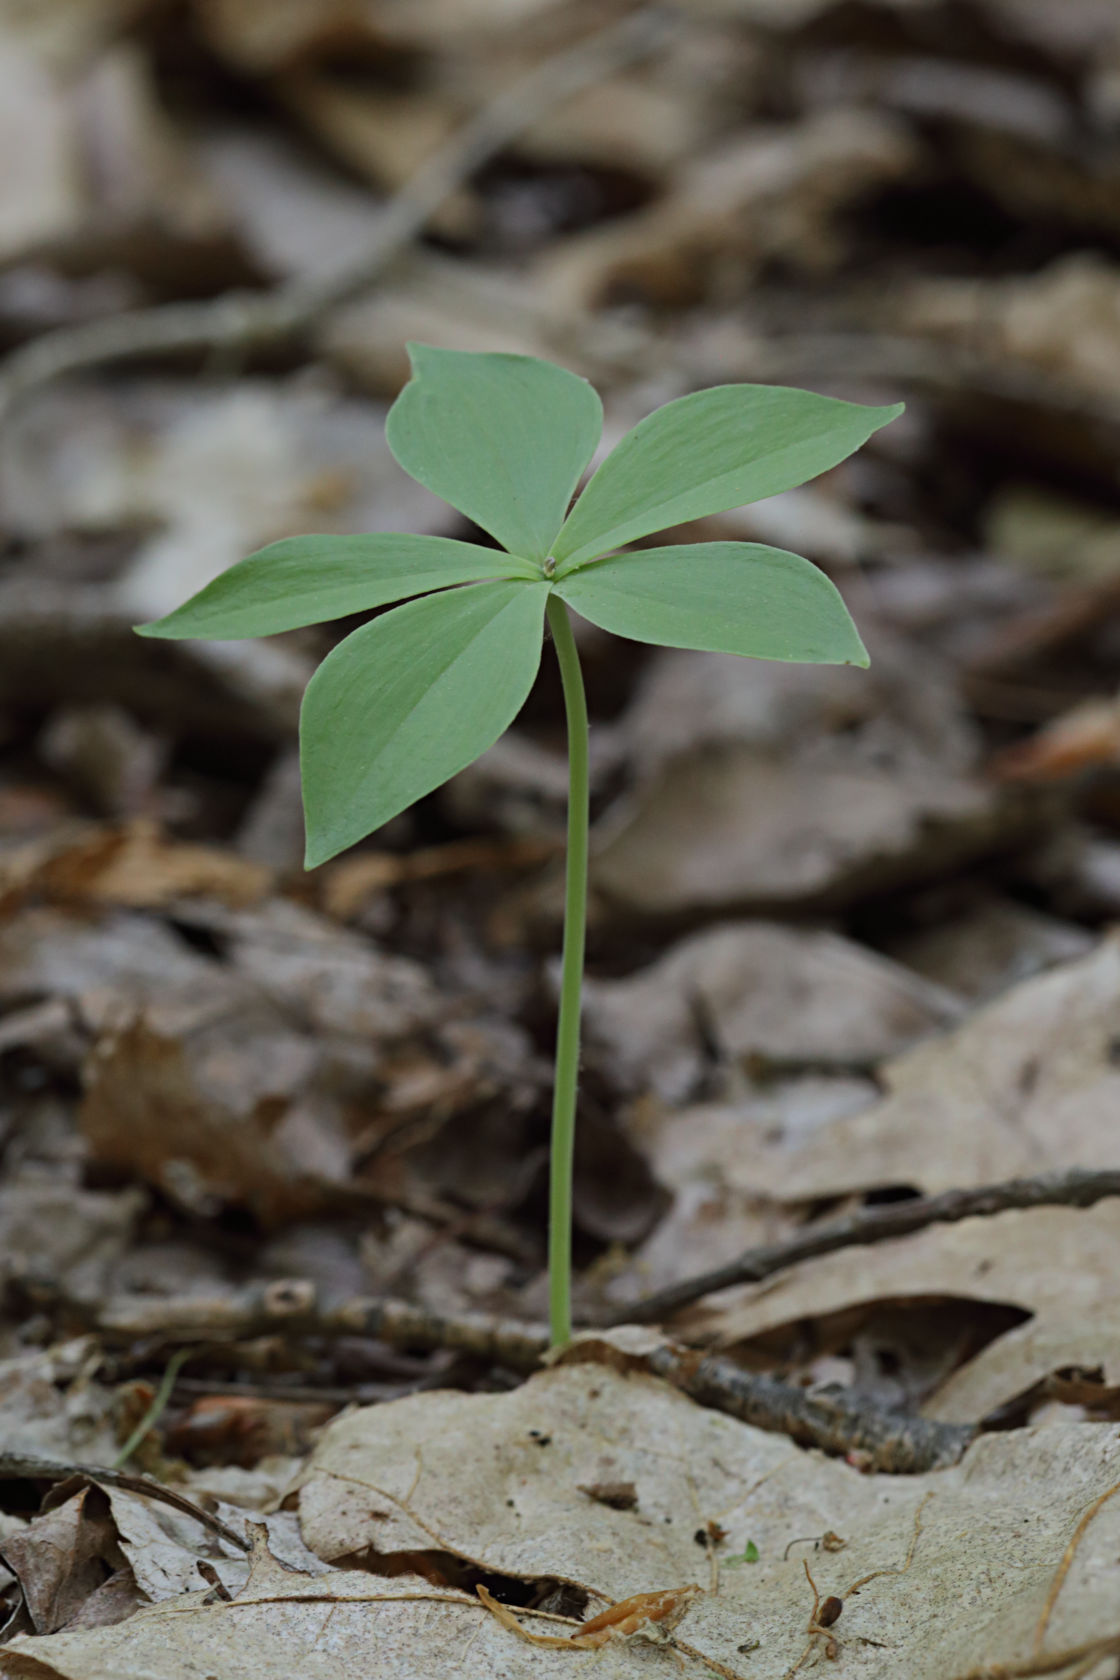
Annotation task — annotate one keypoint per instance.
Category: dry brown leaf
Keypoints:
(49, 1404)
(761, 784)
(131, 866)
(1028, 1084)
(709, 1156)
(62, 1557)
(213, 1107)
(736, 828)
(267, 35)
(42, 196)
(334, 981)
(757, 991)
(50, 952)
(149, 207)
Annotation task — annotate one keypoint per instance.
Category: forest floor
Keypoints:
(274, 1145)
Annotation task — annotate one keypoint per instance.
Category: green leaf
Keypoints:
(720, 597)
(707, 452)
(307, 580)
(749, 1554)
(502, 438)
(408, 700)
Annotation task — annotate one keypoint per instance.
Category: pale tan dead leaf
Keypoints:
(149, 206)
(66, 34)
(1028, 1084)
(1063, 321)
(757, 990)
(384, 136)
(1052, 534)
(336, 981)
(52, 1229)
(498, 1478)
(1086, 736)
(214, 1107)
(437, 304)
(50, 1406)
(297, 216)
(1073, 1351)
(50, 952)
(981, 948)
(761, 784)
(40, 186)
(1059, 1264)
(708, 1156)
(738, 828)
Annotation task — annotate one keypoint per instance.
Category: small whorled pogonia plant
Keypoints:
(416, 694)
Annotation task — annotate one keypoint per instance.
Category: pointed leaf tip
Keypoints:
(309, 580)
(409, 700)
(503, 438)
(743, 598)
(707, 452)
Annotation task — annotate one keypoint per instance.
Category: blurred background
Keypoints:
(219, 225)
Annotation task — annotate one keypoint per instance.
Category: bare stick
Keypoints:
(248, 320)
(838, 1423)
(1077, 1188)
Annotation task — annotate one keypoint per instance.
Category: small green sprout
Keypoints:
(417, 694)
(749, 1554)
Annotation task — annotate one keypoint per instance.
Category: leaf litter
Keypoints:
(222, 1083)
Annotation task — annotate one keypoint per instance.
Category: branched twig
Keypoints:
(1078, 1188)
(245, 320)
(837, 1423)
(18, 1465)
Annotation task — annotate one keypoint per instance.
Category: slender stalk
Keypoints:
(567, 1033)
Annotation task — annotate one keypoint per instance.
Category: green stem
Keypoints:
(156, 1409)
(571, 983)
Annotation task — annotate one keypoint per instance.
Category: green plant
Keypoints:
(418, 693)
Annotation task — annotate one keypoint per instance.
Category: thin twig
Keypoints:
(19, 1465)
(248, 320)
(1078, 1188)
(835, 1422)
